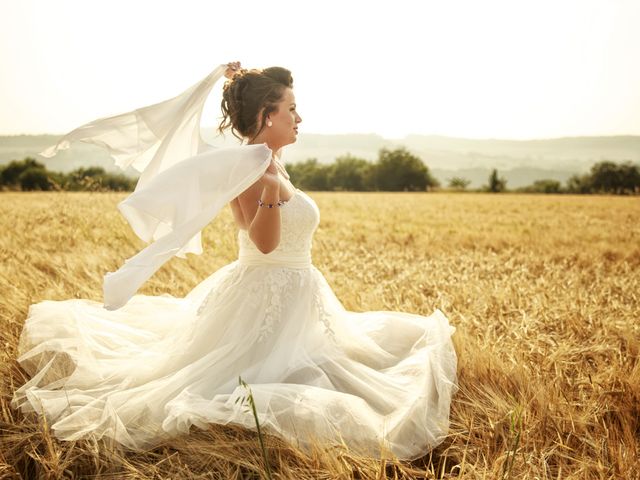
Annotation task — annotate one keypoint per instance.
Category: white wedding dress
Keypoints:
(317, 372)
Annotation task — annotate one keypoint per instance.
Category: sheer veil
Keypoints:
(184, 182)
(153, 138)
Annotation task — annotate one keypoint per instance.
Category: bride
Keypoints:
(140, 369)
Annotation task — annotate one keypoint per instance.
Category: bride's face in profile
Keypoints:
(284, 128)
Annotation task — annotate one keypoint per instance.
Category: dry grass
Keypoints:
(544, 292)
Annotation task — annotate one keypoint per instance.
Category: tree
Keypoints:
(82, 179)
(349, 173)
(579, 184)
(28, 174)
(543, 186)
(96, 179)
(82, 172)
(400, 170)
(605, 177)
(34, 178)
(459, 183)
(609, 177)
(630, 178)
(117, 182)
(496, 184)
(309, 174)
(11, 173)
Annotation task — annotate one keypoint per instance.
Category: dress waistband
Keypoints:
(275, 258)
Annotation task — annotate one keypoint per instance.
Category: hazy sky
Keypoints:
(478, 69)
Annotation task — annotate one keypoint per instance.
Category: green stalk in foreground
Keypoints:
(255, 416)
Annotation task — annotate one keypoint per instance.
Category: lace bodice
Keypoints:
(300, 217)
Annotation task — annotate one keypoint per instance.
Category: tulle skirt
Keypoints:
(317, 372)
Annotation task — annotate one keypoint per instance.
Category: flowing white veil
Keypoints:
(184, 181)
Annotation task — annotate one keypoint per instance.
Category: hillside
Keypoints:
(519, 161)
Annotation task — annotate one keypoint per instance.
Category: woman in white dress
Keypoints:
(141, 369)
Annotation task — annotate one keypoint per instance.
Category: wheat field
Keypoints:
(544, 292)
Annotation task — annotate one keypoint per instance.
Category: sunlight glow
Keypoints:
(491, 69)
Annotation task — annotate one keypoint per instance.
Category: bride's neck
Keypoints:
(274, 148)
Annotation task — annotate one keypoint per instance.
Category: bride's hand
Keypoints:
(270, 178)
(232, 69)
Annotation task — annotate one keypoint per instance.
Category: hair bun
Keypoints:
(249, 92)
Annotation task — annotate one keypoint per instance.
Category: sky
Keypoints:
(511, 69)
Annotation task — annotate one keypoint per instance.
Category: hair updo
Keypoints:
(246, 93)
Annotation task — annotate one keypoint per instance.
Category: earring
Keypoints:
(269, 123)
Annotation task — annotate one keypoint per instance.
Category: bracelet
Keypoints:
(271, 205)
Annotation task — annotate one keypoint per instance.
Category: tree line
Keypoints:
(393, 170)
(29, 174)
(604, 177)
(398, 170)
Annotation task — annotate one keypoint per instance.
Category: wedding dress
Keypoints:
(140, 369)
(160, 364)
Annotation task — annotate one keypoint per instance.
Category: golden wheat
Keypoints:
(544, 292)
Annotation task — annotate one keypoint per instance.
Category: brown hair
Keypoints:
(246, 93)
